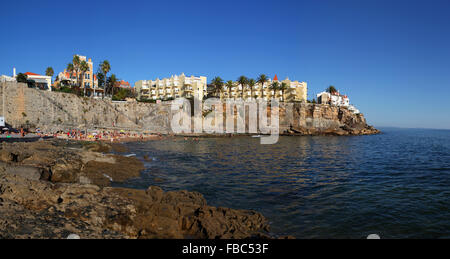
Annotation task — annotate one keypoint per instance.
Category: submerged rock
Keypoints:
(65, 162)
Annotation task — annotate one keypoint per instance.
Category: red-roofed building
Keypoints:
(122, 84)
(275, 78)
(39, 81)
(31, 74)
(66, 78)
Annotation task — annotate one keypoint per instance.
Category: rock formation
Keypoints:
(51, 189)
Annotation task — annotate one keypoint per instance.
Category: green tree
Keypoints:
(21, 78)
(242, 80)
(331, 89)
(76, 63)
(110, 84)
(217, 84)
(70, 69)
(251, 85)
(84, 67)
(262, 79)
(283, 88)
(105, 67)
(100, 78)
(230, 85)
(49, 72)
(75, 66)
(121, 94)
(275, 86)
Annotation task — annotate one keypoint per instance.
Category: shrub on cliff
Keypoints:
(21, 78)
(121, 94)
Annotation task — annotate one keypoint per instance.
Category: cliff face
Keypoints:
(313, 119)
(54, 111)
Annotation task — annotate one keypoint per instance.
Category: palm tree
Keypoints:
(217, 83)
(283, 88)
(49, 72)
(111, 82)
(70, 69)
(331, 89)
(274, 87)
(262, 79)
(105, 67)
(76, 62)
(84, 67)
(251, 84)
(100, 78)
(230, 85)
(242, 80)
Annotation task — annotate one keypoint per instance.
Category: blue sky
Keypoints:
(391, 57)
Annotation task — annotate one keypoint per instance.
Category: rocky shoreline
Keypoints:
(342, 131)
(53, 188)
(297, 132)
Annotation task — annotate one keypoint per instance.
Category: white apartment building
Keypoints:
(40, 81)
(173, 87)
(336, 99)
(295, 91)
(5, 78)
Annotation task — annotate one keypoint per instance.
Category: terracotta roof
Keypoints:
(67, 74)
(275, 78)
(31, 74)
(123, 84)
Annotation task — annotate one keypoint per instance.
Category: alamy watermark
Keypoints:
(229, 116)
